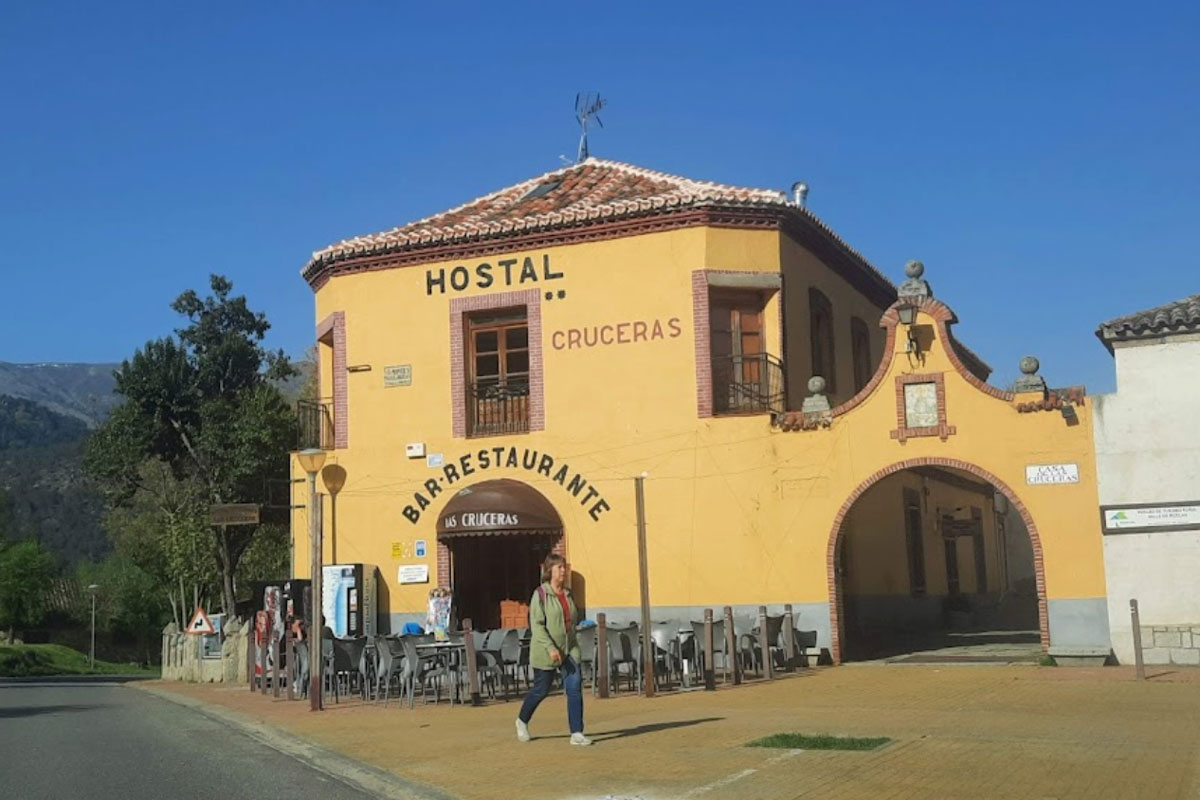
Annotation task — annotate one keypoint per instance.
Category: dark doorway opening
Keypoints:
(494, 576)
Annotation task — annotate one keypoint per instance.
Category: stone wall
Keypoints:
(1171, 644)
(181, 660)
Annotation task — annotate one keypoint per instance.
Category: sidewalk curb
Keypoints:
(78, 679)
(364, 777)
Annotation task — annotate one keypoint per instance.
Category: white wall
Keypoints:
(1147, 451)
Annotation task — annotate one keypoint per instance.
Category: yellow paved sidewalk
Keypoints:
(959, 732)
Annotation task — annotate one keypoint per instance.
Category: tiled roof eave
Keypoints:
(496, 232)
(1129, 332)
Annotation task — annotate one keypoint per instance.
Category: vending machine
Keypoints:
(349, 599)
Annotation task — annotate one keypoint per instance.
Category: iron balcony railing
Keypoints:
(498, 407)
(316, 425)
(748, 384)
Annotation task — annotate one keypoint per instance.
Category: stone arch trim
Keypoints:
(835, 536)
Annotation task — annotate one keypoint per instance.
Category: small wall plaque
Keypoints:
(1044, 474)
(413, 573)
(921, 405)
(397, 375)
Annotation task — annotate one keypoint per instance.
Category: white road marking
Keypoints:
(737, 776)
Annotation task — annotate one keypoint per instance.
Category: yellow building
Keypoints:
(495, 377)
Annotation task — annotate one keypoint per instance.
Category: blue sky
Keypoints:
(1042, 161)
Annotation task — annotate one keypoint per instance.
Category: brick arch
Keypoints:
(835, 537)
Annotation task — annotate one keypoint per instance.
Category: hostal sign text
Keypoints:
(505, 272)
(511, 458)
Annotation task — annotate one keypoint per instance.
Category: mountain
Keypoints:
(44, 493)
(82, 391)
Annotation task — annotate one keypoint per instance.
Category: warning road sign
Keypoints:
(201, 624)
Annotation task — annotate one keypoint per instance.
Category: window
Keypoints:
(498, 377)
(914, 537)
(745, 379)
(820, 314)
(860, 346)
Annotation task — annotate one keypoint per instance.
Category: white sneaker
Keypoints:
(579, 738)
(522, 731)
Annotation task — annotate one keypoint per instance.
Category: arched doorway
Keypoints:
(492, 538)
(936, 559)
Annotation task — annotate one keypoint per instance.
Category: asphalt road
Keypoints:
(95, 740)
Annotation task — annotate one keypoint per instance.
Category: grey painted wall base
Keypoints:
(808, 616)
(1079, 622)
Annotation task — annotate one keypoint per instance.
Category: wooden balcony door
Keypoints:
(498, 379)
(737, 346)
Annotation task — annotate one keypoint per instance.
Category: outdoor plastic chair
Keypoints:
(348, 664)
(586, 637)
(392, 665)
(424, 670)
(623, 650)
(328, 675)
(486, 664)
(718, 655)
(667, 659)
(510, 656)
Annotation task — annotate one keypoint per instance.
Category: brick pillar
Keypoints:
(443, 564)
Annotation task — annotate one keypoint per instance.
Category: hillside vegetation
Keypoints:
(43, 490)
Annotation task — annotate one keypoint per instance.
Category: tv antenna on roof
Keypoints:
(587, 108)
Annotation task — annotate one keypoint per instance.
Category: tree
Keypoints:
(25, 571)
(162, 528)
(128, 602)
(204, 403)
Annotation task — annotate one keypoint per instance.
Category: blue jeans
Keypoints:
(572, 685)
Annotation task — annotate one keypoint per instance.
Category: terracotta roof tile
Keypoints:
(589, 192)
(1181, 316)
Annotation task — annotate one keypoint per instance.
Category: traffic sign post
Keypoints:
(201, 625)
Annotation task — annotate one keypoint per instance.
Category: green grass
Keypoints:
(1047, 661)
(41, 660)
(804, 741)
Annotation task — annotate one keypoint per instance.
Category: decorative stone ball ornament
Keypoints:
(1029, 381)
(816, 401)
(915, 286)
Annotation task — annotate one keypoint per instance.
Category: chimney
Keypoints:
(800, 193)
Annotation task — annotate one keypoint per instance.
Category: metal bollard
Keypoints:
(1136, 620)
(789, 639)
(710, 676)
(602, 653)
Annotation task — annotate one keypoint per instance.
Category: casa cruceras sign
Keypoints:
(486, 274)
(506, 457)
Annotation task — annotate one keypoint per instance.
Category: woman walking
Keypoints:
(553, 649)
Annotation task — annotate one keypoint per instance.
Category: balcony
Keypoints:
(315, 420)
(752, 384)
(495, 408)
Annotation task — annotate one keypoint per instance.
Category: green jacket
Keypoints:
(550, 629)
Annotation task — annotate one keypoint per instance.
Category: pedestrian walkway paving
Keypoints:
(958, 732)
